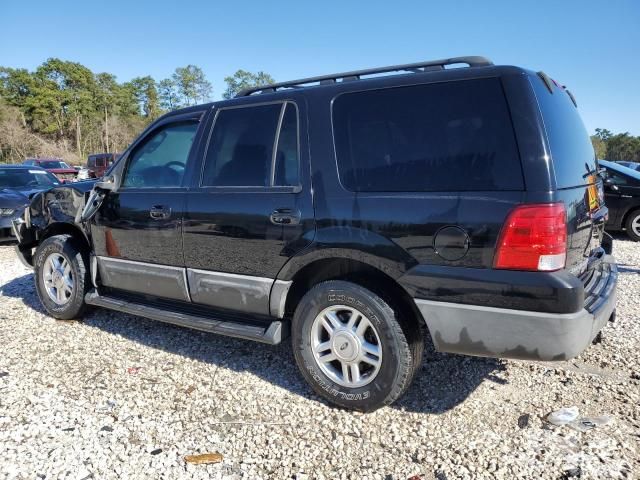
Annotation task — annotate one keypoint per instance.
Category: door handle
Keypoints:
(160, 212)
(285, 216)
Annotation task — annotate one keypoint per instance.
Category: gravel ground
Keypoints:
(118, 396)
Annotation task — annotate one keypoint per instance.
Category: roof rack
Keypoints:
(472, 61)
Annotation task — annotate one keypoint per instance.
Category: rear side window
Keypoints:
(454, 136)
(253, 147)
(571, 149)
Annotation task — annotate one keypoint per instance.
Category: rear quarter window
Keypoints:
(571, 150)
(454, 136)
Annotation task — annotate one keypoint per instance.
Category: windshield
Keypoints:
(616, 167)
(51, 164)
(24, 178)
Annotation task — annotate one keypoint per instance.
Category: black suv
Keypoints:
(357, 212)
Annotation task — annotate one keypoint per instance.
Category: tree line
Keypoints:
(63, 109)
(614, 147)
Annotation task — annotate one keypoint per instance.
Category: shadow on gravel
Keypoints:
(443, 382)
(620, 236)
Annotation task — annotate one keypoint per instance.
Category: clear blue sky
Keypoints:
(593, 47)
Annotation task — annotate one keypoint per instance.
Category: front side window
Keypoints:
(160, 161)
(453, 136)
(246, 151)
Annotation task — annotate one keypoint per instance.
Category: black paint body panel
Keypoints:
(229, 230)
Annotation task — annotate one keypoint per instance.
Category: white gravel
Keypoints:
(119, 396)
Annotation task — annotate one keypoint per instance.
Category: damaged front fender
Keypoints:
(50, 212)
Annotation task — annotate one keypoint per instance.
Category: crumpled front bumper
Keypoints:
(20, 227)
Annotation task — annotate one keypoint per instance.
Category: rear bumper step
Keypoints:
(272, 334)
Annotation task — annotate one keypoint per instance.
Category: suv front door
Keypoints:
(137, 232)
(251, 209)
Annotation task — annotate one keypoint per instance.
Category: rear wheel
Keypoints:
(352, 347)
(633, 225)
(61, 277)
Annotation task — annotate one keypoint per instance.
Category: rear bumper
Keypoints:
(507, 333)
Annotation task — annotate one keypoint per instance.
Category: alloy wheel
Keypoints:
(57, 276)
(346, 346)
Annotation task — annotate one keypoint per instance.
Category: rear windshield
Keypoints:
(572, 153)
(454, 136)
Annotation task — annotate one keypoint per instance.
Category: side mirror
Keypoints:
(109, 183)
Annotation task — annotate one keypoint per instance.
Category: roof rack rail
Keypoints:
(471, 61)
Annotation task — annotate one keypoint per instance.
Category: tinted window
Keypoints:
(617, 178)
(286, 161)
(161, 159)
(571, 149)
(451, 136)
(240, 152)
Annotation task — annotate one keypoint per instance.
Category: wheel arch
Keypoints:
(358, 272)
(65, 228)
(630, 211)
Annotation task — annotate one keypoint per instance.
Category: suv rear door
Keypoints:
(577, 184)
(137, 232)
(251, 208)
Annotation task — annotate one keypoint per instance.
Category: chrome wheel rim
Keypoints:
(635, 225)
(346, 346)
(57, 277)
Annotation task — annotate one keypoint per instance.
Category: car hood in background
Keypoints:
(13, 198)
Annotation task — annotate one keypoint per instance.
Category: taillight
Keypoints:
(534, 237)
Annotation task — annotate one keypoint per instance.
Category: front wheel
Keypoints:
(61, 277)
(352, 347)
(633, 225)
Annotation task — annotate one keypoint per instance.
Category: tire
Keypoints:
(633, 232)
(62, 302)
(380, 379)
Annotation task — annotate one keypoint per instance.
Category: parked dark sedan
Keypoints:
(622, 197)
(17, 183)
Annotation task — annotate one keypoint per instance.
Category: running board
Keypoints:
(272, 335)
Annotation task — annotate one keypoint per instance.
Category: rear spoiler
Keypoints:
(550, 82)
